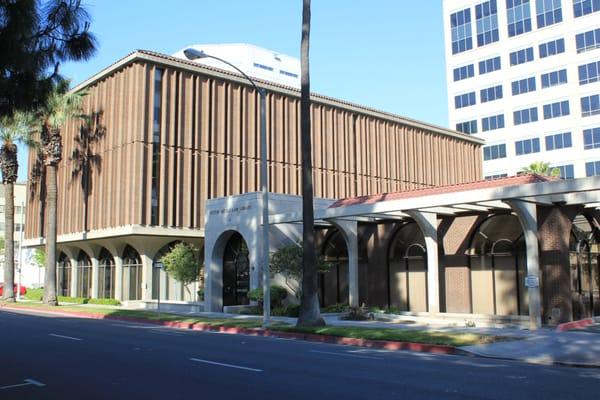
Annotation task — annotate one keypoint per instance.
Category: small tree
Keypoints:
(183, 264)
(39, 257)
(287, 262)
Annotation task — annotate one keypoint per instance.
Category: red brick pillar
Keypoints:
(554, 230)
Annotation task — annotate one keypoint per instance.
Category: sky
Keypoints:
(384, 54)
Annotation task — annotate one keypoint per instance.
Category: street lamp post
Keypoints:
(193, 54)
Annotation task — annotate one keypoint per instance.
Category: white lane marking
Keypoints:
(345, 355)
(64, 337)
(481, 365)
(27, 381)
(166, 333)
(225, 365)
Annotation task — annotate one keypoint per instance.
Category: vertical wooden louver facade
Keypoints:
(166, 135)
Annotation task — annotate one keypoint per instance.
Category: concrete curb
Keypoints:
(567, 326)
(531, 361)
(346, 341)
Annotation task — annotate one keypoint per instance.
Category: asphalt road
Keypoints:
(50, 357)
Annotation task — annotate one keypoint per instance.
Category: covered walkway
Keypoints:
(535, 255)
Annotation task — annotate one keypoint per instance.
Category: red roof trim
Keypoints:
(460, 187)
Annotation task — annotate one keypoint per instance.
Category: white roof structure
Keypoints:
(256, 62)
(480, 196)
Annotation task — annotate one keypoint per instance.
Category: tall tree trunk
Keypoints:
(309, 310)
(50, 278)
(8, 293)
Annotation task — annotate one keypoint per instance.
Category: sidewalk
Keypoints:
(580, 348)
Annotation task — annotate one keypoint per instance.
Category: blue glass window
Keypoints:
(489, 65)
(558, 141)
(566, 171)
(589, 40)
(467, 71)
(262, 66)
(592, 168)
(590, 105)
(589, 73)
(555, 110)
(286, 73)
(548, 12)
(591, 138)
(525, 116)
(486, 15)
(460, 26)
(491, 93)
(523, 86)
(552, 48)
(464, 100)
(519, 17)
(554, 78)
(494, 152)
(521, 56)
(585, 7)
(527, 146)
(468, 127)
(493, 122)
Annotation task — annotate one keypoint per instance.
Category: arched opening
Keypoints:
(63, 275)
(84, 275)
(334, 284)
(585, 276)
(132, 274)
(236, 271)
(498, 268)
(407, 270)
(106, 275)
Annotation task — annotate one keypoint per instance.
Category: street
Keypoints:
(59, 357)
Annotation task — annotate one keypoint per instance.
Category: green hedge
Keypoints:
(107, 302)
(76, 300)
(38, 294)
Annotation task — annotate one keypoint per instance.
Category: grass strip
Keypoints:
(399, 335)
(357, 332)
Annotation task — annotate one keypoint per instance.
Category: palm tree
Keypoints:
(61, 107)
(36, 36)
(541, 168)
(13, 130)
(309, 310)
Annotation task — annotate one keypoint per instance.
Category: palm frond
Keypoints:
(20, 127)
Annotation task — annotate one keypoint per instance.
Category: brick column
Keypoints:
(554, 227)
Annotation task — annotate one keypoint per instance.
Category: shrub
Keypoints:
(253, 310)
(107, 302)
(34, 294)
(293, 310)
(356, 314)
(335, 308)
(201, 294)
(278, 294)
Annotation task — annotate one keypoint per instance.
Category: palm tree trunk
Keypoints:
(50, 278)
(8, 293)
(309, 310)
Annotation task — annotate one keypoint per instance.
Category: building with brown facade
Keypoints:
(165, 135)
